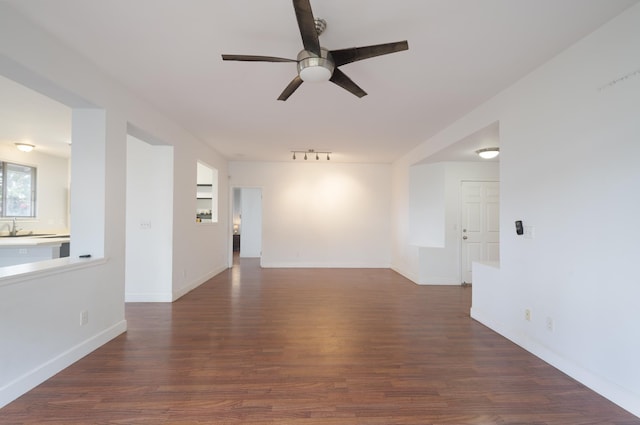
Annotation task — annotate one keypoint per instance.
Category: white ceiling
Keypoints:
(461, 53)
(28, 117)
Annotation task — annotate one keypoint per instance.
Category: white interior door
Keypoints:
(480, 229)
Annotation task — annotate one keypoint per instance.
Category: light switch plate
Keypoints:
(529, 232)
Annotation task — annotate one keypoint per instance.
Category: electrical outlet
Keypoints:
(527, 315)
(550, 324)
(84, 317)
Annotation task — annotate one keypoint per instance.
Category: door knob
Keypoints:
(465, 238)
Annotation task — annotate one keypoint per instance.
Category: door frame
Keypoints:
(459, 229)
(230, 227)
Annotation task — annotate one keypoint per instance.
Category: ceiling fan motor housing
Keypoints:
(313, 68)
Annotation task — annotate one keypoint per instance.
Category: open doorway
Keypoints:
(247, 223)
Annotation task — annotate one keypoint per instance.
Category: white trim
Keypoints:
(38, 375)
(611, 391)
(440, 281)
(308, 265)
(413, 278)
(11, 275)
(148, 297)
(194, 284)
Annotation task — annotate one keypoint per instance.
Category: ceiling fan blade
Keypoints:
(353, 54)
(254, 58)
(293, 85)
(346, 83)
(307, 25)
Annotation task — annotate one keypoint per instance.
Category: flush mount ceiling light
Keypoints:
(488, 153)
(311, 152)
(24, 147)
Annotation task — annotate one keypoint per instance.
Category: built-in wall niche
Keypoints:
(206, 194)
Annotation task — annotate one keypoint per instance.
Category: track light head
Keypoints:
(309, 153)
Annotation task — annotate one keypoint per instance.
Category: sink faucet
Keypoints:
(14, 230)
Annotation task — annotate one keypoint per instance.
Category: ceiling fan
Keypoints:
(315, 63)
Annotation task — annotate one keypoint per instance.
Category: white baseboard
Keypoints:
(440, 280)
(150, 297)
(38, 375)
(413, 278)
(310, 265)
(611, 391)
(197, 282)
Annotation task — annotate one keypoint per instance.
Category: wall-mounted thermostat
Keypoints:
(519, 228)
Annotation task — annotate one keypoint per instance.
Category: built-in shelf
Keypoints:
(204, 191)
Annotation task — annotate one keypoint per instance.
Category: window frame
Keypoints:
(5, 189)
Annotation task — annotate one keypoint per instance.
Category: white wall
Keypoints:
(89, 174)
(52, 185)
(149, 228)
(321, 214)
(39, 313)
(251, 218)
(435, 190)
(427, 205)
(569, 147)
(200, 250)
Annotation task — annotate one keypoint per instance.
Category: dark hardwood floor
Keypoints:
(311, 346)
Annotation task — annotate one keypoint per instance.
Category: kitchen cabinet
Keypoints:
(21, 250)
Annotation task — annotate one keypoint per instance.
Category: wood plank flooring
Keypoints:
(311, 346)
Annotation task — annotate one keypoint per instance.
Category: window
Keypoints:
(18, 187)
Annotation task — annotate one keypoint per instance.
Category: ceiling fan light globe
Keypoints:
(315, 74)
(313, 68)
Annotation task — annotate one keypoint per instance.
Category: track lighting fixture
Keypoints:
(311, 152)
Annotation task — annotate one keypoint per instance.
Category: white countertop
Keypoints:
(11, 275)
(14, 241)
